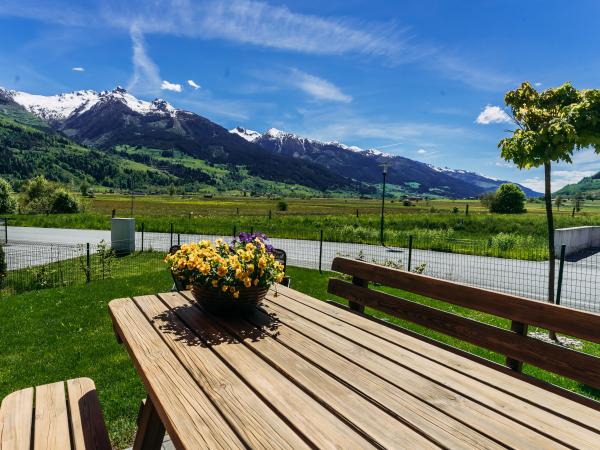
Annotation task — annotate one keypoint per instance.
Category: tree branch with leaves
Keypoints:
(552, 125)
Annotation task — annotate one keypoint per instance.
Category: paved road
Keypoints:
(526, 278)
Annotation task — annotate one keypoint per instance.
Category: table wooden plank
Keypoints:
(367, 417)
(515, 388)
(188, 415)
(466, 399)
(318, 424)
(16, 415)
(493, 423)
(253, 420)
(51, 427)
(87, 422)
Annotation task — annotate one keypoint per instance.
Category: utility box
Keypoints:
(122, 236)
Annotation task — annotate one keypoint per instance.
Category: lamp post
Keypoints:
(384, 172)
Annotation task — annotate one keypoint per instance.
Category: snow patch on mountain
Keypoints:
(249, 135)
(276, 134)
(62, 106)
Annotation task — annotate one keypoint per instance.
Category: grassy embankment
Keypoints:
(61, 333)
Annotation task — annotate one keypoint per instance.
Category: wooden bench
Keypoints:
(45, 418)
(517, 347)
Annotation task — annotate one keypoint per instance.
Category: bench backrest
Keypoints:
(514, 344)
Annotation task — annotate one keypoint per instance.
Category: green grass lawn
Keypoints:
(61, 333)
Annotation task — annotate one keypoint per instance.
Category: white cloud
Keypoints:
(146, 76)
(318, 88)
(193, 84)
(560, 178)
(262, 24)
(538, 84)
(78, 69)
(492, 114)
(167, 86)
(421, 151)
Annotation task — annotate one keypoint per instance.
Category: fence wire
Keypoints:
(514, 269)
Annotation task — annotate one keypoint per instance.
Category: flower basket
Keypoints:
(215, 301)
(228, 278)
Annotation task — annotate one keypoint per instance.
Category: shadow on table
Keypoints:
(196, 327)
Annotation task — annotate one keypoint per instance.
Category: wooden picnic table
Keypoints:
(303, 373)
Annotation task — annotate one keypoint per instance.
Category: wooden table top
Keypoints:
(303, 373)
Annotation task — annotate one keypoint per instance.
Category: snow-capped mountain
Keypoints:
(68, 105)
(110, 118)
(365, 164)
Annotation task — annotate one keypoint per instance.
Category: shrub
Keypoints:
(64, 203)
(41, 196)
(510, 199)
(8, 203)
(282, 206)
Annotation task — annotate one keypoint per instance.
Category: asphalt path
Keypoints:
(30, 246)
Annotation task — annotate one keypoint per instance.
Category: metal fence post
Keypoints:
(357, 213)
(321, 252)
(88, 269)
(178, 238)
(561, 267)
(467, 210)
(234, 231)
(252, 229)
(142, 236)
(269, 214)
(410, 239)
(171, 235)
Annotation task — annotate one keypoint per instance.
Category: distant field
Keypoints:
(432, 223)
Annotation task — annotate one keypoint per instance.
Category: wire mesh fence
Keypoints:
(511, 267)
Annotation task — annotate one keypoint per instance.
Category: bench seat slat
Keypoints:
(87, 422)
(51, 428)
(581, 324)
(56, 421)
(572, 364)
(16, 416)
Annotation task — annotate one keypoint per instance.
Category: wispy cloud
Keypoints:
(421, 151)
(469, 73)
(78, 69)
(168, 86)
(193, 84)
(492, 114)
(146, 75)
(318, 88)
(263, 24)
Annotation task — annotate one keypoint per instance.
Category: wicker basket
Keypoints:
(215, 301)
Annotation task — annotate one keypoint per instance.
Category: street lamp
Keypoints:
(384, 172)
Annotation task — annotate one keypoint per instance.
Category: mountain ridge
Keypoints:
(369, 160)
(106, 120)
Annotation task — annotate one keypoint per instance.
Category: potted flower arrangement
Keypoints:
(227, 278)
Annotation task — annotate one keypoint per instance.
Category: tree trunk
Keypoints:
(551, 252)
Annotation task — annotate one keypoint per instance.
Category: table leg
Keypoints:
(151, 431)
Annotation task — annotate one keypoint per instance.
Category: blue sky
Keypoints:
(422, 79)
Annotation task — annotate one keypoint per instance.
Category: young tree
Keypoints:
(579, 200)
(509, 199)
(8, 203)
(551, 125)
(487, 199)
(558, 201)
